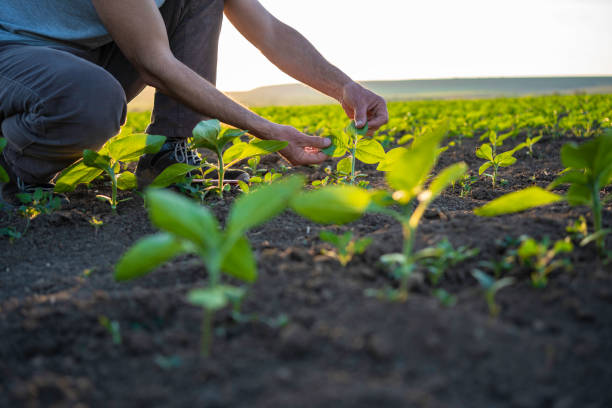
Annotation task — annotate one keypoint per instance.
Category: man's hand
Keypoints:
(363, 105)
(302, 149)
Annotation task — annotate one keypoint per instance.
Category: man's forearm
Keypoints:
(178, 81)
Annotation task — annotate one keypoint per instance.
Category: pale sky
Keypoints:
(410, 39)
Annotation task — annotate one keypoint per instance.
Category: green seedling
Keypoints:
(466, 185)
(36, 203)
(578, 229)
(588, 171)
(529, 142)
(346, 246)
(208, 135)
(4, 177)
(190, 228)
(354, 142)
(96, 223)
(540, 258)
(445, 298)
(112, 327)
(490, 287)
(121, 149)
(407, 172)
(446, 256)
(11, 233)
(488, 152)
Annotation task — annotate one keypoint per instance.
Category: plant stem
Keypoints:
(206, 332)
(597, 218)
(113, 178)
(221, 172)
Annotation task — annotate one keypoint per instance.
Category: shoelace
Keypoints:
(27, 188)
(184, 154)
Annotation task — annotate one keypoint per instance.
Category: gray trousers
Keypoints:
(56, 101)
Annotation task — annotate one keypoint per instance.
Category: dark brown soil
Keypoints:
(549, 347)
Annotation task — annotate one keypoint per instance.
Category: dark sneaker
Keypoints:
(176, 151)
(16, 193)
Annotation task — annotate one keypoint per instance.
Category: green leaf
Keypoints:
(518, 201)
(172, 174)
(256, 147)
(530, 248)
(332, 205)
(505, 159)
(182, 217)
(93, 159)
(485, 280)
(3, 143)
(390, 158)
(205, 135)
(563, 245)
(74, 175)
(484, 167)
(571, 177)
(446, 177)
(129, 148)
(485, 152)
(216, 297)
(579, 194)
(329, 237)
(228, 135)
(362, 244)
(338, 146)
(257, 207)
(352, 130)
(369, 151)
(127, 181)
(147, 254)
(239, 261)
(579, 156)
(344, 166)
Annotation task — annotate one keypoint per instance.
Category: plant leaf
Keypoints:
(369, 151)
(390, 157)
(518, 201)
(485, 152)
(344, 166)
(93, 159)
(147, 254)
(228, 135)
(205, 135)
(129, 148)
(182, 217)
(353, 130)
(484, 167)
(336, 204)
(172, 174)
(579, 194)
(257, 207)
(256, 147)
(338, 146)
(74, 175)
(571, 177)
(216, 297)
(239, 261)
(127, 181)
(449, 175)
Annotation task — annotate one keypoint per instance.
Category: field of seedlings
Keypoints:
(460, 256)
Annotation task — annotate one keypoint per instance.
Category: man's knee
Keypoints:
(90, 110)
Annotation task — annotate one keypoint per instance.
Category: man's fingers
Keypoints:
(314, 158)
(314, 141)
(381, 116)
(361, 116)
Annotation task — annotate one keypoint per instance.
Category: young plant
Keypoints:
(354, 142)
(121, 149)
(446, 256)
(190, 228)
(407, 173)
(488, 152)
(346, 246)
(529, 142)
(588, 171)
(445, 298)
(540, 257)
(208, 135)
(490, 287)
(36, 203)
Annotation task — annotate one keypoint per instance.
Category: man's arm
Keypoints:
(138, 29)
(294, 55)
